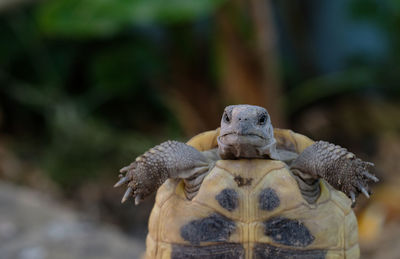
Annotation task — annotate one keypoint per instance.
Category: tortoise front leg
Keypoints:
(170, 159)
(340, 168)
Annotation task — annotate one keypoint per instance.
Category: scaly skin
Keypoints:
(170, 159)
(246, 132)
(339, 167)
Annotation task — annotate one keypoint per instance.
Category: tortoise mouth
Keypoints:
(240, 140)
(241, 135)
(233, 146)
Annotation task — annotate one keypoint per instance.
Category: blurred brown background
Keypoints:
(86, 86)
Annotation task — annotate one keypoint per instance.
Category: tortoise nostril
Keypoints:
(240, 119)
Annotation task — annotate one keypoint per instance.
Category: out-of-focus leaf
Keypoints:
(373, 9)
(76, 18)
(328, 85)
(123, 68)
(10, 48)
(385, 13)
(363, 8)
(31, 96)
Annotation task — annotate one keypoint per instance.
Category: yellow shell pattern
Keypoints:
(286, 225)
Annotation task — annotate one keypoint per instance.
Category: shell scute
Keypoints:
(241, 199)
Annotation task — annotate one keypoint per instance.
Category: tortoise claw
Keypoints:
(137, 199)
(121, 181)
(370, 164)
(353, 199)
(364, 191)
(370, 176)
(127, 194)
(125, 169)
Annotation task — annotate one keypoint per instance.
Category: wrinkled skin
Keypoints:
(246, 132)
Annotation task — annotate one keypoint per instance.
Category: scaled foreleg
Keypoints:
(339, 167)
(171, 159)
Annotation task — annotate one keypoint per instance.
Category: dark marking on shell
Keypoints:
(289, 232)
(222, 251)
(228, 199)
(268, 199)
(266, 251)
(240, 181)
(215, 228)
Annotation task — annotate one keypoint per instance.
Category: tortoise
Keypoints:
(247, 190)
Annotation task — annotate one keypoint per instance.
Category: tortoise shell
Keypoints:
(251, 208)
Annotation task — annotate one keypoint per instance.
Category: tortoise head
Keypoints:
(246, 132)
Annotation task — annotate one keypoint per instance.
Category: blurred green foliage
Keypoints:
(361, 74)
(94, 18)
(96, 99)
(83, 83)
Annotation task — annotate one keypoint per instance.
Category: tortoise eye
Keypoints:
(262, 119)
(226, 118)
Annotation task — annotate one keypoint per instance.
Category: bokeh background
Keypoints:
(86, 86)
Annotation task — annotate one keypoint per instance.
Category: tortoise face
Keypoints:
(246, 132)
